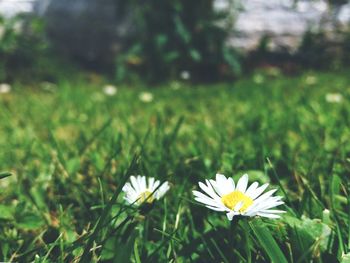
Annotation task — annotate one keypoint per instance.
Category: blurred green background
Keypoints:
(158, 41)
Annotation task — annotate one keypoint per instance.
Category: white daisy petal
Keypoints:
(150, 182)
(221, 182)
(265, 196)
(215, 208)
(269, 205)
(142, 182)
(273, 211)
(231, 184)
(231, 214)
(242, 183)
(268, 215)
(208, 189)
(128, 188)
(201, 195)
(216, 187)
(135, 183)
(206, 199)
(263, 205)
(162, 190)
(251, 189)
(209, 202)
(221, 178)
(258, 191)
(155, 185)
(238, 206)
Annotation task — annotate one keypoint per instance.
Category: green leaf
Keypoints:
(309, 232)
(73, 165)
(118, 250)
(267, 241)
(232, 59)
(335, 190)
(195, 55)
(345, 258)
(4, 175)
(181, 30)
(319, 231)
(171, 56)
(161, 40)
(6, 212)
(30, 221)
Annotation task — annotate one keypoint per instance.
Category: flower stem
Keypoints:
(233, 230)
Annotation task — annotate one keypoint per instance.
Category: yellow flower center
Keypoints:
(145, 197)
(232, 199)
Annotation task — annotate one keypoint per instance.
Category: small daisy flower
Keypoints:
(110, 90)
(311, 80)
(334, 97)
(223, 195)
(146, 97)
(5, 88)
(140, 190)
(185, 75)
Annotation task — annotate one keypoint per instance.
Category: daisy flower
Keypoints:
(140, 190)
(110, 90)
(5, 88)
(334, 97)
(223, 195)
(146, 97)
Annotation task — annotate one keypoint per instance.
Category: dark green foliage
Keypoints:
(174, 36)
(23, 46)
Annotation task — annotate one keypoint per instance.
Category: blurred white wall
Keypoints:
(13, 7)
(283, 21)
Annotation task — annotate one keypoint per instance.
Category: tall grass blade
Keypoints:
(95, 136)
(267, 242)
(86, 257)
(4, 175)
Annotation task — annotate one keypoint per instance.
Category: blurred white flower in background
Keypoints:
(334, 97)
(110, 90)
(258, 78)
(5, 88)
(185, 75)
(310, 80)
(175, 85)
(146, 96)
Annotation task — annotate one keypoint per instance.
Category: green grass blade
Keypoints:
(95, 136)
(286, 196)
(267, 241)
(99, 225)
(136, 253)
(4, 175)
(348, 198)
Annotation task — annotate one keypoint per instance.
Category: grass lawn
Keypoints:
(71, 148)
